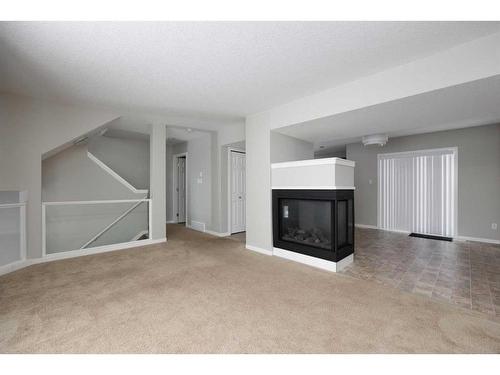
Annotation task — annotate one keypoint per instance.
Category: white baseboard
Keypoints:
(171, 222)
(77, 253)
(477, 239)
(139, 235)
(197, 225)
(11, 267)
(313, 261)
(366, 226)
(217, 234)
(457, 238)
(259, 249)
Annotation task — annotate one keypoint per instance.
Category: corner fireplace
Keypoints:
(318, 223)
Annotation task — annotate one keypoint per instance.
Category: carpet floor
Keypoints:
(202, 294)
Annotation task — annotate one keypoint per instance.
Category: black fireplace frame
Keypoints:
(336, 253)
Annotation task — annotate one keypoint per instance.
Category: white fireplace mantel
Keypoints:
(321, 174)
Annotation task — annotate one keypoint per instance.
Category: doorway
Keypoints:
(237, 191)
(179, 188)
(417, 192)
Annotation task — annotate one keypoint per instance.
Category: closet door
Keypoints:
(417, 192)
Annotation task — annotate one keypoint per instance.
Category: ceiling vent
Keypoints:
(375, 139)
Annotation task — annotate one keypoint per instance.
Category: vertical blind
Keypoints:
(416, 191)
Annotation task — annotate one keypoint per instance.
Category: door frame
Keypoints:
(175, 193)
(452, 150)
(229, 201)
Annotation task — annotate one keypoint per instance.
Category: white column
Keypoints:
(258, 184)
(157, 161)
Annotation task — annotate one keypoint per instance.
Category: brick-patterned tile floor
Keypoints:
(463, 273)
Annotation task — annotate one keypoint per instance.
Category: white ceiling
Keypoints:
(221, 70)
(471, 104)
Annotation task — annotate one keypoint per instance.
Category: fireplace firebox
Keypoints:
(318, 223)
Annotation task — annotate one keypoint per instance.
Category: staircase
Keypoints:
(70, 225)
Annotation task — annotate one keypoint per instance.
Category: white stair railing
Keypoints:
(119, 218)
(13, 250)
(136, 202)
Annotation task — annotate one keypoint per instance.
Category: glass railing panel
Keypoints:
(72, 226)
(132, 227)
(10, 234)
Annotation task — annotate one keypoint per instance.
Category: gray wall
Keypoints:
(330, 154)
(200, 193)
(478, 175)
(29, 129)
(286, 148)
(127, 157)
(71, 176)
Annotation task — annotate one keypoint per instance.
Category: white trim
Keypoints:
(313, 187)
(115, 175)
(44, 230)
(229, 192)
(217, 234)
(22, 219)
(313, 261)
(139, 235)
(457, 238)
(14, 266)
(366, 226)
(477, 239)
(175, 193)
(77, 253)
(305, 163)
(170, 222)
(259, 250)
(94, 202)
(101, 249)
(196, 225)
(12, 205)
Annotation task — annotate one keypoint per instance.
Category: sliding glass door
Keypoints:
(417, 191)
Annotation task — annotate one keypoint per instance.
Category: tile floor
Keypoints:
(463, 273)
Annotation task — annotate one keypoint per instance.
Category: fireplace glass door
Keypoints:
(306, 222)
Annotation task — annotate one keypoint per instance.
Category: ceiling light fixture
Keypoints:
(375, 139)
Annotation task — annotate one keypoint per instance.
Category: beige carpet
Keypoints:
(201, 294)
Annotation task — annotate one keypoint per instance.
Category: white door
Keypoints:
(238, 192)
(181, 189)
(417, 192)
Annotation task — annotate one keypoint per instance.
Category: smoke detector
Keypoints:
(375, 139)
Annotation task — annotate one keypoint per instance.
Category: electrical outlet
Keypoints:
(494, 226)
(370, 181)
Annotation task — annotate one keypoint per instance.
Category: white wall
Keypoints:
(470, 61)
(30, 128)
